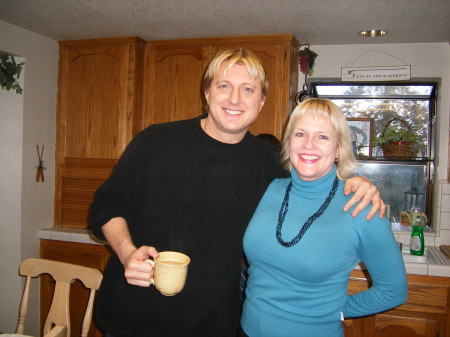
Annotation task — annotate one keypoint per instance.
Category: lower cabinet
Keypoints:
(89, 255)
(425, 314)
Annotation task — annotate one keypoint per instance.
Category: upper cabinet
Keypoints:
(175, 69)
(110, 89)
(99, 112)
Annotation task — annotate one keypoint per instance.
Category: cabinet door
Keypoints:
(404, 324)
(276, 57)
(98, 112)
(353, 327)
(175, 70)
(174, 75)
(93, 101)
(88, 255)
(272, 112)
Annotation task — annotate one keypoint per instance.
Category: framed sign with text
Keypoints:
(355, 74)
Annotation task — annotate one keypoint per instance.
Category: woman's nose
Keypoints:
(309, 142)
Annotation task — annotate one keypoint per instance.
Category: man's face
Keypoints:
(235, 100)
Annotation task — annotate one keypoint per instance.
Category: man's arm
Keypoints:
(365, 192)
(137, 271)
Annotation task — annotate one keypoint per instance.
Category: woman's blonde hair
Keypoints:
(252, 63)
(319, 107)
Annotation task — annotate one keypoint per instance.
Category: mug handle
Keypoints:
(152, 280)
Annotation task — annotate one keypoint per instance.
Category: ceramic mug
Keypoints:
(170, 272)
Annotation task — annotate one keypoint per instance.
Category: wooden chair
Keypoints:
(57, 323)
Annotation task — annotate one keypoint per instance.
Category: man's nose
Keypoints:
(235, 96)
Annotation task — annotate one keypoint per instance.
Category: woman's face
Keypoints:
(313, 147)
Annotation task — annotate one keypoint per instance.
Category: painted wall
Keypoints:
(25, 205)
(427, 60)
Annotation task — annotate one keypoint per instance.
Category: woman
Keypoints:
(301, 246)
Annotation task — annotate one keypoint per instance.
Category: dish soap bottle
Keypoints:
(417, 243)
(418, 222)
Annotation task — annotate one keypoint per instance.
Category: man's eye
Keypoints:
(248, 89)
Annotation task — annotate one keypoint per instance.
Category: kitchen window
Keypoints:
(405, 181)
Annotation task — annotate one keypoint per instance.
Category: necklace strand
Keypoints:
(311, 219)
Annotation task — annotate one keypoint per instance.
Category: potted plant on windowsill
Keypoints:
(396, 141)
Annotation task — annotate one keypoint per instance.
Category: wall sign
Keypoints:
(355, 74)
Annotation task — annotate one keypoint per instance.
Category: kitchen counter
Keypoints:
(70, 235)
(433, 263)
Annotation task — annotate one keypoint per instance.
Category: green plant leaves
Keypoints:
(9, 73)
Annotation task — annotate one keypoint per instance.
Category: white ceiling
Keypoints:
(317, 22)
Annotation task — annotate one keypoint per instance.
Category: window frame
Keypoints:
(429, 159)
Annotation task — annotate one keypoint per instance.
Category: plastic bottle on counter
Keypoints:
(417, 243)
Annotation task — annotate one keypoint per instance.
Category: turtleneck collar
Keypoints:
(315, 188)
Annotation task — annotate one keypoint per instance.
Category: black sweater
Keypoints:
(181, 190)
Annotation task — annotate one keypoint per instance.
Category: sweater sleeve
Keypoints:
(118, 195)
(382, 258)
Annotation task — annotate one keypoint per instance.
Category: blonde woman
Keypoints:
(301, 245)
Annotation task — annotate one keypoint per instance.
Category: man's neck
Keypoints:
(224, 137)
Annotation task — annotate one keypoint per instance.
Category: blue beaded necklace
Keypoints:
(308, 223)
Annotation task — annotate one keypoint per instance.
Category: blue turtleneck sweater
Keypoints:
(302, 290)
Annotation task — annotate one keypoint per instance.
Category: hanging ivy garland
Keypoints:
(10, 72)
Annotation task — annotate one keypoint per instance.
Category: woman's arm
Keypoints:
(380, 254)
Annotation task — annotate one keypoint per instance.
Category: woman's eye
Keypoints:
(323, 137)
(299, 134)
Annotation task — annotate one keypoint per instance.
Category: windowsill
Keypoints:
(397, 228)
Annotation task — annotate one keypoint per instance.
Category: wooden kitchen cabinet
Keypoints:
(88, 255)
(110, 89)
(425, 314)
(99, 112)
(175, 69)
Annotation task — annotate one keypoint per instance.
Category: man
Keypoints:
(189, 186)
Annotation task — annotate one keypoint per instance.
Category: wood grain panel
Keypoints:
(174, 71)
(173, 83)
(425, 314)
(79, 179)
(99, 112)
(272, 57)
(95, 102)
(405, 325)
(77, 197)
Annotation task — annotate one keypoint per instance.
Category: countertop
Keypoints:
(70, 234)
(435, 263)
